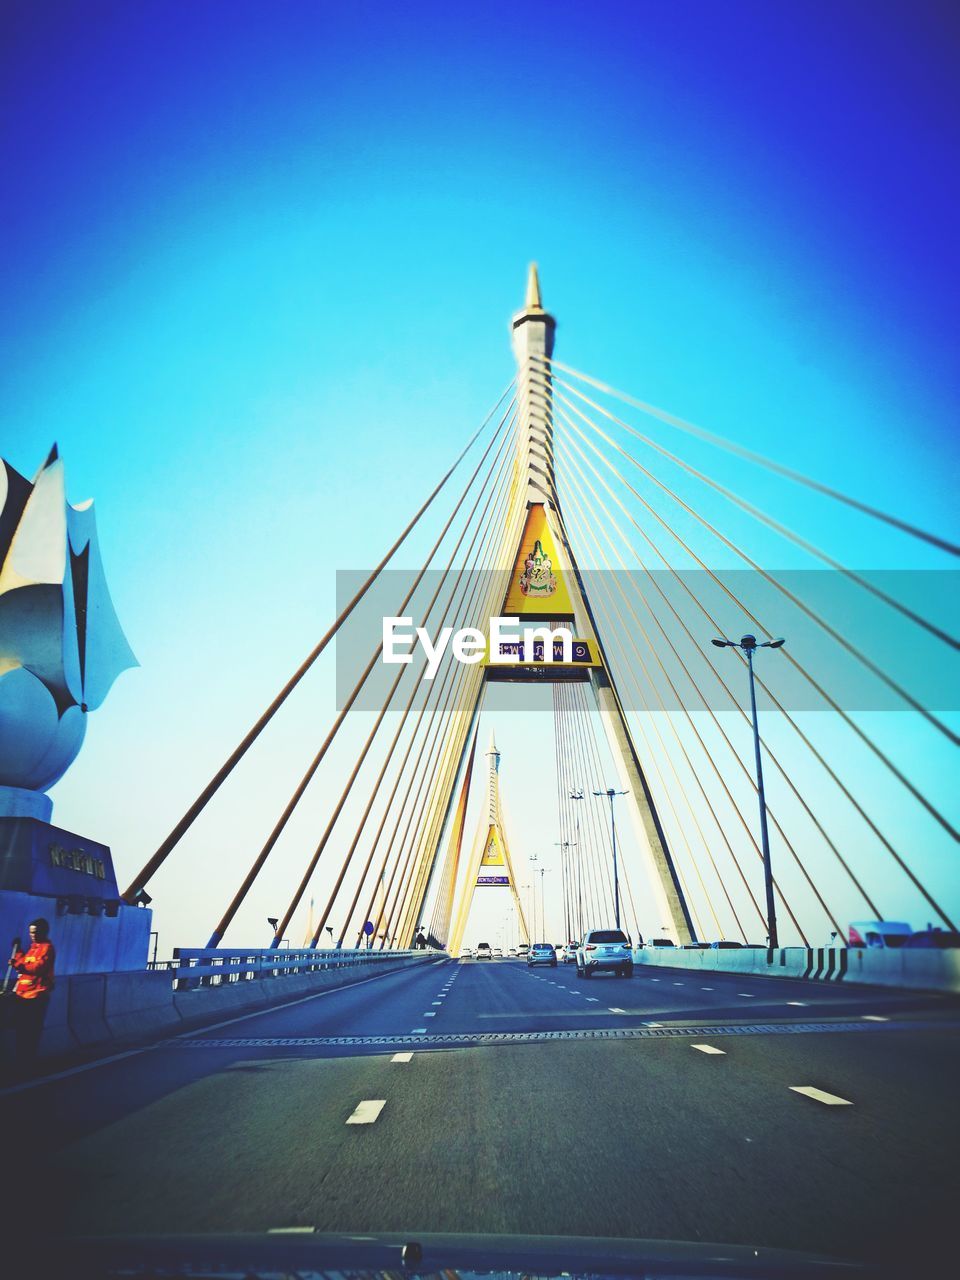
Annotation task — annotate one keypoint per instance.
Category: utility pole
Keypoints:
(578, 795)
(610, 794)
(748, 645)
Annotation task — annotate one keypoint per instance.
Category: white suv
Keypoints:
(483, 951)
(605, 949)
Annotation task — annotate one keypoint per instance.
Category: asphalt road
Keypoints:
(507, 1100)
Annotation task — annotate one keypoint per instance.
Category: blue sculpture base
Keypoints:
(69, 880)
(15, 802)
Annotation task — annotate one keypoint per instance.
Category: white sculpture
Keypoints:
(61, 645)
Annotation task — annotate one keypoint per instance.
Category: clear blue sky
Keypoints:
(258, 262)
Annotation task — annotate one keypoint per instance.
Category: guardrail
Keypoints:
(215, 966)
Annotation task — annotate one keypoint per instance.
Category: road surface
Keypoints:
(485, 1097)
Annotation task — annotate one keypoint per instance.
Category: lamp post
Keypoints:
(748, 645)
(610, 793)
(578, 795)
(566, 868)
(533, 860)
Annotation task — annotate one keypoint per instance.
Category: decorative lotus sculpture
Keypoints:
(61, 645)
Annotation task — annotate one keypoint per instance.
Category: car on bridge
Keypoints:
(523, 950)
(570, 953)
(465, 953)
(655, 943)
(483, 951)
(498, 953)
(605, 950)
(542, 953)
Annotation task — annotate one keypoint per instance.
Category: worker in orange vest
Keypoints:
(32, 990)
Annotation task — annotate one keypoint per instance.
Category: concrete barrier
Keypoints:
(85, 1002)
(912, 968)
(139, 1004)
(93, 1009)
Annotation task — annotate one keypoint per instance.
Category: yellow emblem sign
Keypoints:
(537, 586)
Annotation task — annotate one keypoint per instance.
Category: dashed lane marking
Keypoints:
(366, 1112)
(401, 1057)
(818, 1095)
(706, 988)
(679, 984)
(798, 1004)
(430, 1014)
(874, 1017)
(746, 995)
(616, 1010)
(591, 999)
(417, 1031)
(707, 1048)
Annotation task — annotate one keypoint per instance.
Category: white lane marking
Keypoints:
(430, 1014)
(679, 984)
(654, 979)
(562, 988)
(617, 1010)
(435, 1003)
(707, 1048)
(367, 1112)
(401, 1057)
(874, 1017)
(575, 993)
(746, 995)
(818, 1095)
(798, 1004)
(590, 999)
(418, 1031)
(706, 988)
(653, 1024)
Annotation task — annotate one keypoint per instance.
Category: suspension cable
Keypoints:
(794, 599)
(172, 840)
(758, 458)
(831, 702)
(804, 738)
(652, 647)
(338, 808)
(726, 688)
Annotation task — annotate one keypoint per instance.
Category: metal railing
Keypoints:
(215, 966)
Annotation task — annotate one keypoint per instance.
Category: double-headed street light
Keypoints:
(748, 645)
(610, 794)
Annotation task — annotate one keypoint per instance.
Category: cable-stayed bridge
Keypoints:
(252, 1084)
(651, 557)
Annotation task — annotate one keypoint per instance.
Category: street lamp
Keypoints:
(567, 871)
(578, 795)
(610, 793)
(748, 645)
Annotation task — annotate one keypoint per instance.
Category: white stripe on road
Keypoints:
(654, 979)
(874, 1017)
(798, 1004)
(706, 988)
(707, 1048)
(418, 1031)
(818, 1095)
(436, 1003)
(678, 984)
(430, 1014)
(401, 1057)
(745, 995)
(617, 1011)
(367, 1112)
(591, 999)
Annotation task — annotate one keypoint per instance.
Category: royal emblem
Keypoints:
(538, 578)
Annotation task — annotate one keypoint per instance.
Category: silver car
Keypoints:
(605, 950)
(570, 953)
(542, 953)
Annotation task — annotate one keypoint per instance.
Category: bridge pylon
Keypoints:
(491, 864)
(544, 588)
